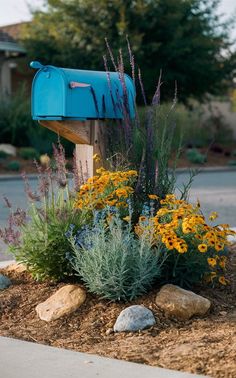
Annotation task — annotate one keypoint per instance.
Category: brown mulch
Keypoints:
(201, 345)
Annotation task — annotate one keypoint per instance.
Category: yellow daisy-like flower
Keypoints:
(211, 261)
(222, 280)
(153, 197)
(213, 216)
(219, 247)
(202, 248)
(96, 157)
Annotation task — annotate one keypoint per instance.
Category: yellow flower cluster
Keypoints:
(106, 189)
(181, 226)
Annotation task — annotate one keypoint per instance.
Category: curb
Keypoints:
(34, 176)
(206, 169)
(31, 360)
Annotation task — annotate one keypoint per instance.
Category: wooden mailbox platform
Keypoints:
(88, 137)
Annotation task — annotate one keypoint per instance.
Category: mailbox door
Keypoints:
(49, 94)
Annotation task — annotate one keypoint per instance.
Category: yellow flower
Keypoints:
(45, 160)
(127, 219)
(181, 247)
(121, 193)
(96, 158)
(202, 248)
(222, 280)
(222, 264)
(219, 247)
(142, 218)
(211, 261)
(153, 197)
(213, 216)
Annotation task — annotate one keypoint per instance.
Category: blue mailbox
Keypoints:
(70, 94)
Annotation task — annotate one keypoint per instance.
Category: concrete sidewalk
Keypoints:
(21, 359)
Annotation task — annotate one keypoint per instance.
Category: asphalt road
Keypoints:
(216, 191)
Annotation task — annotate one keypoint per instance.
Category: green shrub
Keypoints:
(13, 165)
(195, 157)
(44, 248)
(39, 240)
(232, 162)
(4, 155)
(114, 264)
(28, 153)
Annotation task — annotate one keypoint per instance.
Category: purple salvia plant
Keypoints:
(7, 202)
(43, 179)
(61, 172)
(131, 59)
(33, 196)
(111, 55)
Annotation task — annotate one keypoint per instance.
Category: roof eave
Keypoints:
(11, 47)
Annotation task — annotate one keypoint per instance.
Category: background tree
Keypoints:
(184, 38)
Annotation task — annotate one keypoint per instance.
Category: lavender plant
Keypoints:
(112, 262)
(38, 238)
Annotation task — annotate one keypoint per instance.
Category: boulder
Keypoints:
(181, 304)
(8, 149)
(16, 267)
(4, 282)
(134, 318)
(65, 301)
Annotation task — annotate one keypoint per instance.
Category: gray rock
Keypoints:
(4, 282)
(134, 318)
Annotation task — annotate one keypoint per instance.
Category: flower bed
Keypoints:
(199, 345)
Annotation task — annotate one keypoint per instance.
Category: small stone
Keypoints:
(134, 318)
(181, 304)
(109, 331)
(223, 313)
(8, 149)
(4, 282)
(17, 268)
(65, 301)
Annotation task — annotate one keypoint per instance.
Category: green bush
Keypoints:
(13, 165)
(114, 264)
(28, 153)
(232, 162)
(44, 248)
(39, 240)
(195, 157)
(4, 155)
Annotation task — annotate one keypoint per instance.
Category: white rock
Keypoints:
(65, 301)
(16, 267)
(8, 148)
(134, 318)
(181, 304)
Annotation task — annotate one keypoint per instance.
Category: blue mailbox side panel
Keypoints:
(60, 93)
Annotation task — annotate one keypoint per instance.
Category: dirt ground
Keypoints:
(201, 345)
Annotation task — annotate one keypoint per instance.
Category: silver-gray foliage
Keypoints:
(118, 266)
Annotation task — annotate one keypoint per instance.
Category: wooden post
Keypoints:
(88, 137)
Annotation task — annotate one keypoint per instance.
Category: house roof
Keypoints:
(8, 39)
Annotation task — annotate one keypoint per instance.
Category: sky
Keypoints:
(14, 11)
